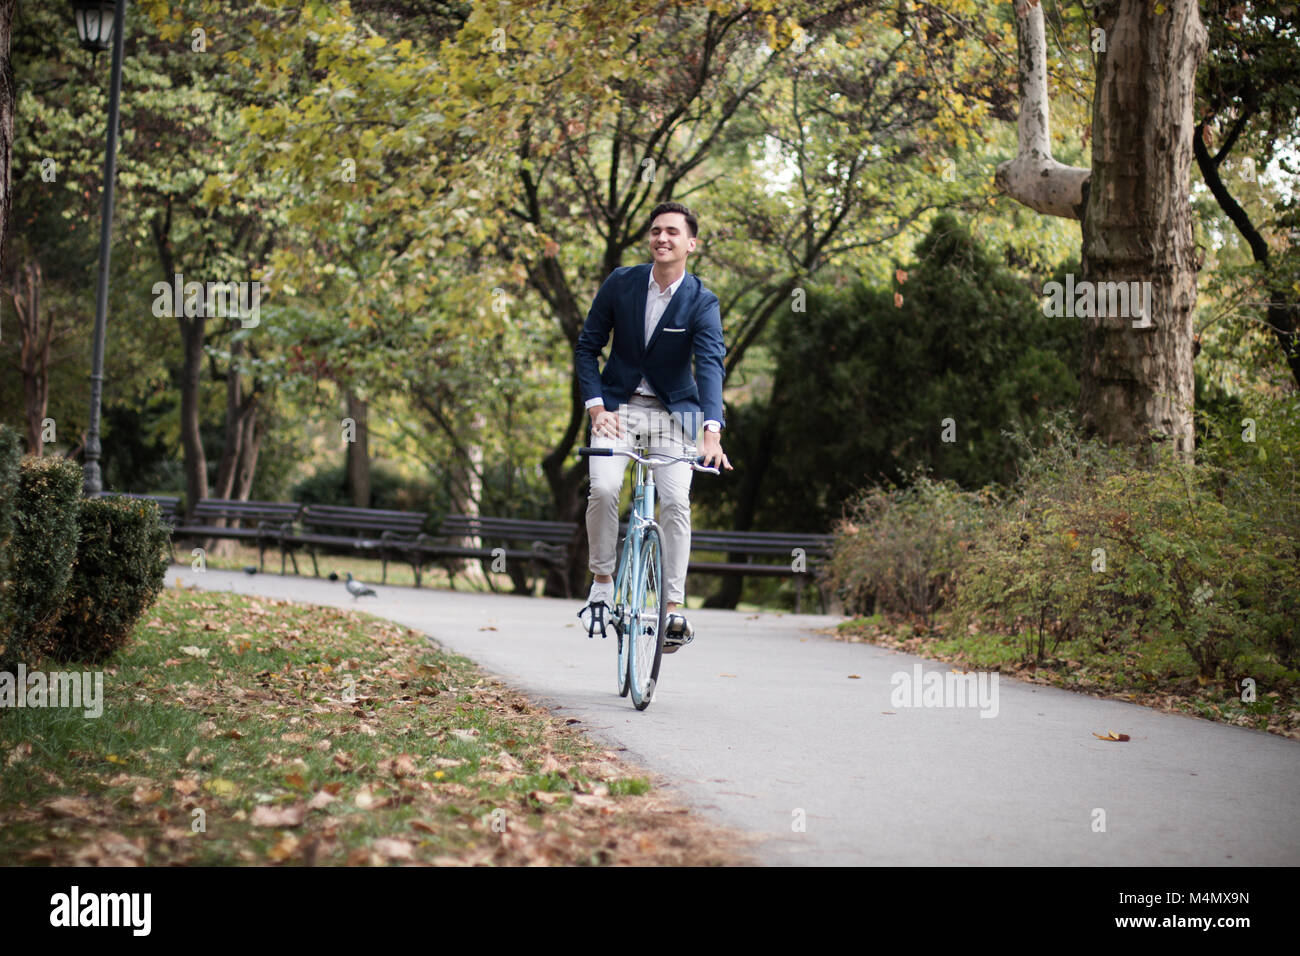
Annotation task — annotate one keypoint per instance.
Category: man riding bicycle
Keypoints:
(660, 316)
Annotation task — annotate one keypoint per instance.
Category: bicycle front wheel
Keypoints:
(646, 619)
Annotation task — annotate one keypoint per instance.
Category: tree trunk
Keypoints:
(1137, 378)
(466, 474)
(254, 432)
(33, 350)
(1137, 381)
(244, 432)
(6, 118)
(232, 447)
(359, 452)
(1034, 177)
(196, 463)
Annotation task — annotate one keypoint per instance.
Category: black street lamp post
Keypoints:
(100, 22)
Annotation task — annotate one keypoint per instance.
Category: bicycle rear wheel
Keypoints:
(621, 630)
(619, 618)
(646, 617)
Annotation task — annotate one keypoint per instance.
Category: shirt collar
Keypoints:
(672, 289)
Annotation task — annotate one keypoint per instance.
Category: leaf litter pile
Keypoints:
(239, 730)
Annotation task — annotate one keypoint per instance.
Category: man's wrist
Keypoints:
(712, 425)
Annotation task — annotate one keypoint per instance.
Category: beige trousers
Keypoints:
(645, 419)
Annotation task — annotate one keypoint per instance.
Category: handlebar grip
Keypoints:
(588, 452)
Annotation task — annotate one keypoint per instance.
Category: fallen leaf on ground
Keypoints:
(72, 807)
(145, 794)
(284, 849)
(394, 849)
(221, 787)
(19, 752)
(1111, 735)
(193, 651)
(509, 763)
(265, 816)
(368, 799)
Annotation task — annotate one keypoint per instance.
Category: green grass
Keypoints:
(387, 747)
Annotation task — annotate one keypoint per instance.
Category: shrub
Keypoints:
(120, 567)
(43, 548)
(10, 453)
(1095, 547)
(899, 549)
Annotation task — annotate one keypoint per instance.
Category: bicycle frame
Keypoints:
(629, 587)
(640, 518)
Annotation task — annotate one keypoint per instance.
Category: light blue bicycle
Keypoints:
(640, 612)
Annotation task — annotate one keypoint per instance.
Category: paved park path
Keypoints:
(760, 726)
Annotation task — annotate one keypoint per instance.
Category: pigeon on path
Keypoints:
(357, 589)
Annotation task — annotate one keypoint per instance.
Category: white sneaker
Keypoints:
(677, 633)
(602, 591)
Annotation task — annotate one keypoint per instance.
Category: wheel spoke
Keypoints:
(647, 621)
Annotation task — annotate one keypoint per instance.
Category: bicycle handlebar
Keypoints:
(696, 463)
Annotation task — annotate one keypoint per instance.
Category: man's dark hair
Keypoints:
(664, 207)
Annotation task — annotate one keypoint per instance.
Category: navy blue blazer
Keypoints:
(690, 326)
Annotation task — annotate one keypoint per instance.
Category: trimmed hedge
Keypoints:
(119, 571)
(42, 550)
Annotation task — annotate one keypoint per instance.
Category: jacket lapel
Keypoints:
(680, 300)
(635, 298)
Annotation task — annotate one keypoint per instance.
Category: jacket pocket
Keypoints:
(677, 394)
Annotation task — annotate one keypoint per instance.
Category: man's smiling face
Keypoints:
(670, 241)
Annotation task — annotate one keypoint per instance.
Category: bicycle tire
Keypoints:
(619, 618)
(624, 675)
(647, 614)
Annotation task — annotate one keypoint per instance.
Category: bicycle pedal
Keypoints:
(597, 619)
(677, 634)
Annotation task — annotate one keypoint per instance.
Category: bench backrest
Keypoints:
(762, 542)
(513, 529)
(370, 520)
(250, 511)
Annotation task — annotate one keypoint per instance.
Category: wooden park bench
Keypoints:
(258, 521)
(372, 532)
(764, 554)
(523, 544)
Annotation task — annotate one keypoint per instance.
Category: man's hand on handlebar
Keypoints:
(711, 451)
